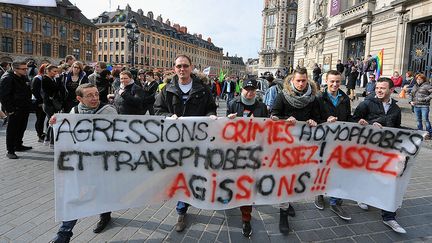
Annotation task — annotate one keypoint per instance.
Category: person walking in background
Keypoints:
(421, 95)
(352, 79)
(36, 88)
(70, 81)
(150, 87)
(15, 97)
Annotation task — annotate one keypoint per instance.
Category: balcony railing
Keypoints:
(358, 10)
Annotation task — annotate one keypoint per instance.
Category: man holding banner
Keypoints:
(296, 102)
(246, 105)
(185, 95)
(89, 103)
(381, 111)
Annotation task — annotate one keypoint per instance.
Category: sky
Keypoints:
(234, 25)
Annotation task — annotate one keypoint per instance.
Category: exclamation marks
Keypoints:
(321, 152)
(320, 181)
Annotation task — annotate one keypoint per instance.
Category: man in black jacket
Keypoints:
(334, 105)
(185, 95)
(381, 111)
(246, 105)
(15, 96)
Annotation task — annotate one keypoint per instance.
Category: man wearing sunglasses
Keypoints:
(15, 97)
(184, 95)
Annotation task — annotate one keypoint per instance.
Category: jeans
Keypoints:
(182, 208)
(246, 213)
(386, 215)
(422, 114)
(67, 227)
(230, 96)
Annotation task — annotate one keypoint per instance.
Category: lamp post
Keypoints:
(133, 35)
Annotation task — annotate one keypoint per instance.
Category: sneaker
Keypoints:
(319, 202)
(363, 206)
(21, 148)
(395, 226)
(247, 229)
(181, 223)
(59, 238)
(339, 211)
(11, 156)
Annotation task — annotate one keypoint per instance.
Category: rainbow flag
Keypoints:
(379, 60)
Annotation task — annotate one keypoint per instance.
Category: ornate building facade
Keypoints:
(159, 43)
(234, 66)
(278, 35)
(329, 30)
(45, 33)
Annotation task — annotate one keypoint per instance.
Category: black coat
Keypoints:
(340, 67)
(150, 92)
(36, 86)
(352, 79)
(372, 110)
(200, 102)
(342, 110)
(283, 109)
(236, 106)
(15, 94)
(130, 101)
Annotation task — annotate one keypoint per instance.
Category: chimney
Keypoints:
(200, 36)
(167, 22)
(183, 29)
(209, 40)
(177, 27)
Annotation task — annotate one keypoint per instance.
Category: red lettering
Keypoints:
(179, 184)
(294, 156)
(246, 191)
(336, 155)
(289, 187)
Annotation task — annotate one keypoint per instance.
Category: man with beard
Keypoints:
(296, 102)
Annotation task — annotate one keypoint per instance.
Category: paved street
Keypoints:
(27, 210)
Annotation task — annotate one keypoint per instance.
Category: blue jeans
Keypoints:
(386, 215)
(182, 208)
(422, 114)
(230, 96)
(67, 227)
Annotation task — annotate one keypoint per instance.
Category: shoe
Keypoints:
(102, 224)
(363, 206)
(291, 211)
(46, 143)
(11, 156)
(339, 211)
(247, 229)
(395, 226)
(41, 138)
(283, 222)
(181, 223)
(21, 148)
(319, 202)
(60, 239)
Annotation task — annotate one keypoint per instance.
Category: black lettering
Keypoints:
(202, 130)
(255, 157)
(301, 182)
(79, 131)
(150, 131)
(168, 132)
(190, 133)
(115, 130)
(97, 127)
(105, 156)
(306, 131)
(171, 157)
(219, 161)
(124, 162)
(198, 192)
(319, 129)
(60, 131)
(184, 154)
(224, 187)
(260, 183)
(143, 160)
(137, 132)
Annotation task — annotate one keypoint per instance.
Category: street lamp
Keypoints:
(133, 35)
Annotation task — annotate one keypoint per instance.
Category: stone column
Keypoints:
(306, 12)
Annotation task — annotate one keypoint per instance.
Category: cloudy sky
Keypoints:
(234, 25)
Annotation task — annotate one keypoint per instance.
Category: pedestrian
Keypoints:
(36, 86)
(229, 89)
(334, 106)
(15, 97)
(397, 79)
(150, 87)
(69, 83)
(316, 75)
(370, 86)
(99, 67)
(247, 105)
(381, 111)
(103, 83)
(340, 68)
(89, 103)
(352, 79)
(129, 98)
(185, 95)
(421, 95)
(296, 102)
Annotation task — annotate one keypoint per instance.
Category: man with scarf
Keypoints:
(89, 103)
(296, 102)
(246, 105)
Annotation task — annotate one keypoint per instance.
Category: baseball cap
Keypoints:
(250, 83)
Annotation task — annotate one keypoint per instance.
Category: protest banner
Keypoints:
(107, 163)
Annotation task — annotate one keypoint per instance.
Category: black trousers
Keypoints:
(17, 125)
(40, 120)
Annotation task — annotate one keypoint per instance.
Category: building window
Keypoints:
(76, 53)
(290, 46)
(142, 60)
(116, 58)
(105, 46)
(7, 20)
(7, 44)
(100, 46)
(111, 58)
(117, 45)
(157, 63)
(292, 18)
(63, 32)
(153, 51)
(62, 51)
(89, 55)
(111, 33)
(117, 33)
(158, 53)
(270, 33)
(100, 33)
(269, 45)
(158, 42)
(122, 58)
(111, 46)
(148, 39)
(268, 62)
(270, 20)
(47, 28)
(28, 25)
(105, 58)
(105, 33)
(148, 50)
(46, 49)
(122, 45)
(76, 35)
(163, 42)
(89, 37)
(100, 58)
(122, 33)
(291, 33)
(153, 40)
(28, 46)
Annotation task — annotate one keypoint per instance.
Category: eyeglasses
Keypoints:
(182, 66)
(21, 68)
(76, 67)
(91, 96)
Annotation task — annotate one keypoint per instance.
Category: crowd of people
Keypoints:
(77, 89)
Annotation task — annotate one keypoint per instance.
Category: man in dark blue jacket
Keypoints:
(15, 96)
